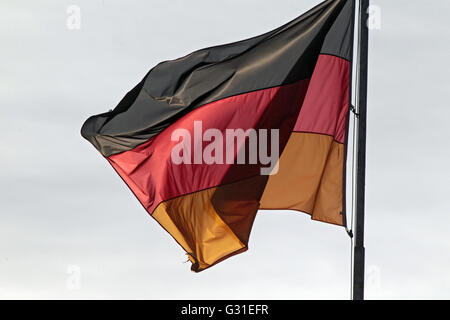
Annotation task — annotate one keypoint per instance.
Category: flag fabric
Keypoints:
(295, 79)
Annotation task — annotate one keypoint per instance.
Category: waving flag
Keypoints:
(278, 101)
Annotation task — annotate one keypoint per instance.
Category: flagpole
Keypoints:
(358, 249)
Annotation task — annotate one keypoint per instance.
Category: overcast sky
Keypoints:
(63, 208)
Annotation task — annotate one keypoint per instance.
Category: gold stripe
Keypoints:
(309, 178)
(196, 226)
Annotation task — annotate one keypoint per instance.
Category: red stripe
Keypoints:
(326, 103)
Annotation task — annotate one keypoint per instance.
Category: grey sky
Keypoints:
(62, 204)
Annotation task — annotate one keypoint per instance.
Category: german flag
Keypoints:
(294, 79)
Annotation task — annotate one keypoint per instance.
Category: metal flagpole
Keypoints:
(361, 87)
